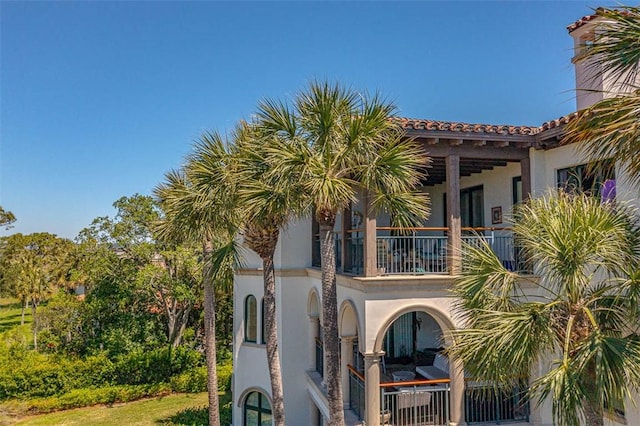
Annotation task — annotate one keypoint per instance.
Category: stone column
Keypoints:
(346, 358)
(454, 263)
(372, 388)
(313, 334)
(456, 394)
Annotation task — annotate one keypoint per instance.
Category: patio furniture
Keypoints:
(439, 369)
(403, 376)
(409, 397)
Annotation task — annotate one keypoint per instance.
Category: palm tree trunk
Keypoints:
(24, 308)
(592, 414)
(34, 326)
(210, 336)
(592, 411)
(271, 340)
(330, 324)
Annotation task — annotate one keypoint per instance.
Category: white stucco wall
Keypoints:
(497, 192)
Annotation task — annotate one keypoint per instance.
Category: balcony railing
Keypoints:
(356, 392)
(418, 251)
(421, 402)
(426, 402)
(491, 405)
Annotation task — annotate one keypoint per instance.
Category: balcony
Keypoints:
(417, 251)
(421, 402)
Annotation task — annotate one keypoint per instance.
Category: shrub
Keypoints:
(86, 397)
(225, 371)
(189, 417)
(191, 381)
(156, 366)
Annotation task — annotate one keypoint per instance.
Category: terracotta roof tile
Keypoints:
(580, 22)
(505, 129)
(557, 122)
(452, 126)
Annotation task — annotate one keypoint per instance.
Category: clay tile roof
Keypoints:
(580, 22)
(452, 126)
(557, 122)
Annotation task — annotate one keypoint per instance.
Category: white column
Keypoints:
(452, 164)
(372, 388)
(456, 394)
(346, 358)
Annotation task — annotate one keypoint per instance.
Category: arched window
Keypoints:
(257, 410)
(263, 330)
(250, 319)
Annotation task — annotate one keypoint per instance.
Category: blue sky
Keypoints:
(99, 99)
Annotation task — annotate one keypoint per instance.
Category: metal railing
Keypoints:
(415, 403)
(491, 405)
(320, 357)
(418, 251)
(411, 254)
(356, 392)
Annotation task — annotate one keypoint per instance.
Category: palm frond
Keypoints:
(615, 49)
(563, 386)
(610, 129)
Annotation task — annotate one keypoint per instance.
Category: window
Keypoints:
(516, 190)
(598, 180)
(257, 410)
(472, 207)
(263, 330)
(250, 319)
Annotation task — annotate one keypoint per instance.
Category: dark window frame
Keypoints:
(247, 320)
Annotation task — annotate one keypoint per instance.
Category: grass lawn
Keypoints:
(10, 314)
(156, 411)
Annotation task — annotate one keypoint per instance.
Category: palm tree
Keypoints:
(267, 203)
(581, 313)
(199, 202)
(611, 128)
(338, 143)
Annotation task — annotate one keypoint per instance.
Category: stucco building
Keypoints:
(393, 289)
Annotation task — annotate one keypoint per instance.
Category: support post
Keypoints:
(454, 237)
(346, 226)
(346, 358)
(456, 394)
(372, 389)
(369, 243)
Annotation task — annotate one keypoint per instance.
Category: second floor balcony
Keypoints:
(418, 251)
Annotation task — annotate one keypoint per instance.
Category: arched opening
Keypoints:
(256, 410)
(413, 338)
(316, 354)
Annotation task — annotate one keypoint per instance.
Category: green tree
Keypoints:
(6, 218)
(165, 274)
(34, 267)
(200, 206)
(582, 312)
(340, 144)
(610, 128)
(267, 202)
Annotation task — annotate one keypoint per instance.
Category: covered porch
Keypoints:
(411, 382)
(476, 175)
